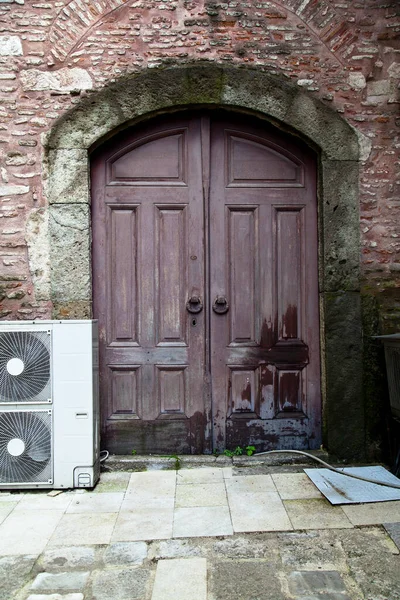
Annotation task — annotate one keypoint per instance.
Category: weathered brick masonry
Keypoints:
(54, 54)
(51, 53)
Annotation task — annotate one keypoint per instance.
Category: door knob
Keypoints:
(220, 305)
(194, 304)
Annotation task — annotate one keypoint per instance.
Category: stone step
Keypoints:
(119, 462)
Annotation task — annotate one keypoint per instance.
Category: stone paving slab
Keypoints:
(125, 553)
(204, 494)
(143, 524)
(315, 514)
(306, 583)
(257, 511)
(41, 501)
(121, 584)
(5, 509)
(73, 557)
(244, 579)
(205, 475)
(14, 572)
(84, 528)
(113, 482)
(372, 514)
(250, 484)
(107, 502)
(69, 581)
(181, 578)
(77, 596)
(28, 532)
(295, 486)
(202, 521)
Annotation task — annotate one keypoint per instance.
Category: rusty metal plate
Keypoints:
(339, 489)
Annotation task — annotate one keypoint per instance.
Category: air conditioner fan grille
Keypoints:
(25, 366)
(25, 447)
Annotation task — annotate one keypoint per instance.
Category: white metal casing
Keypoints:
(74, 403)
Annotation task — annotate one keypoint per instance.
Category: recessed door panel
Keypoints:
(123, 250)
(242, 273)
(171, 271)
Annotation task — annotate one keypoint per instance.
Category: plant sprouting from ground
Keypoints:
(177, 460)
(238, 451)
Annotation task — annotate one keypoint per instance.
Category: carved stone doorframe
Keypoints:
(340, 148)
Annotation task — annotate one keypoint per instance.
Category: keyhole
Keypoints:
(194, 322)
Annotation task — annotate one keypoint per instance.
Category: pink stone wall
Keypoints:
(52, 53)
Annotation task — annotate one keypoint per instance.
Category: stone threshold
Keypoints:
(258, 463)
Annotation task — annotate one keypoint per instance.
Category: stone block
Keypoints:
(10, 45)
(394, 70)
(340, 222)
(84, 127)
(310, 582)
(372, 563)
(238, 579)
(71, 581)
(68, 178)
(174, 549)
(378, 88)
(69, 227)
(37, 239)
(73, 310)
(267, 94)
(64, 80)
(120, 584)
(242, 547)
(184, 578)
(357, 80)
(13, 190)
(311, 550)
(344, 407)
(317, 122)
(126, 553)
(74, 557)
(14, 570)
(73, 596)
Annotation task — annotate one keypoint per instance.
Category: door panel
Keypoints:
(263, 259)
(148, 261)
(205, 285)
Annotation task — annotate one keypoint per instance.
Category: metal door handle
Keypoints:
(194, 305)
(220, 305)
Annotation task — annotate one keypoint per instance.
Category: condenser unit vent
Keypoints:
(25, 366)
(26, 447)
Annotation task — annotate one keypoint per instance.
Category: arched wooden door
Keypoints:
(205, 286)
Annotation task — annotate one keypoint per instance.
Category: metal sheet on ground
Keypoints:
(340, 489)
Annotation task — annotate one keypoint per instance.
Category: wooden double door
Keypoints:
(205, 286)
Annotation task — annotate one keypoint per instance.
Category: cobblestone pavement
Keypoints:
(197, 534)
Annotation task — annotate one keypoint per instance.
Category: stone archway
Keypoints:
(270, 97)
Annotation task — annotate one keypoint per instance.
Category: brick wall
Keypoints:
(54, 53)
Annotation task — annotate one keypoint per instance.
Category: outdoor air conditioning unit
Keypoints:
(49, 404)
